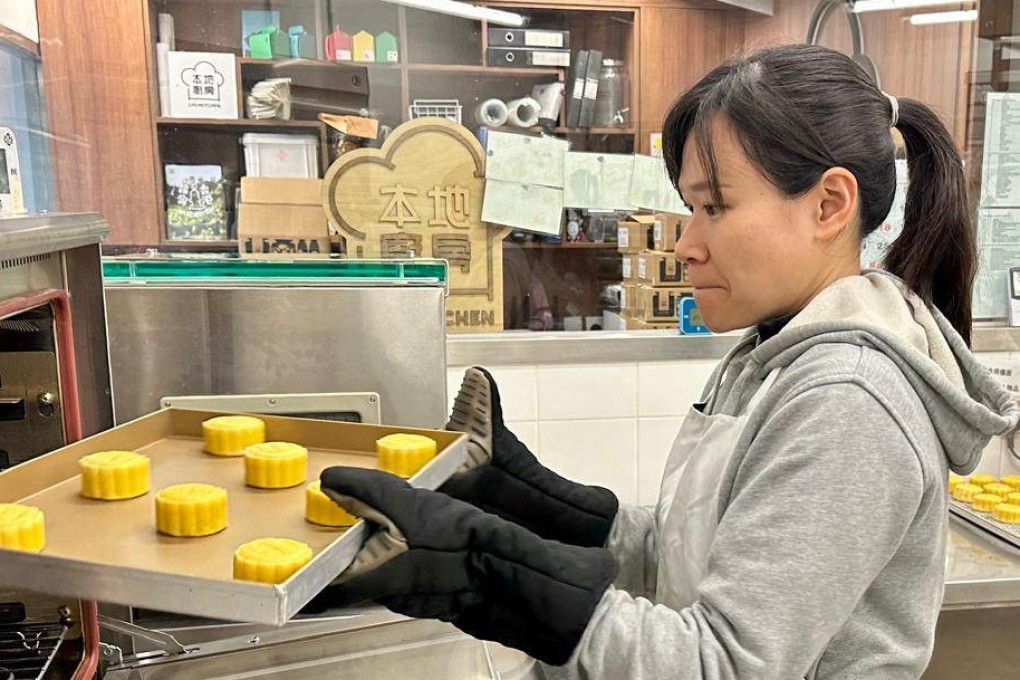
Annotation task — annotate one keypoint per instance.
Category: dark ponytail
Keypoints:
(936, 253)
(799, 110)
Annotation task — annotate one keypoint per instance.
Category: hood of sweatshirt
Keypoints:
(877, 310)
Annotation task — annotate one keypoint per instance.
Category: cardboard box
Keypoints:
(282, 232)
(634, 233)
(281, 191)
(667, 230)
(657, 304)
(628, 298)
(628, 267)
(634, 324)
(661, 270)
(282, 219)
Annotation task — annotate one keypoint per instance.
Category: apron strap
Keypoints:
(766, 385)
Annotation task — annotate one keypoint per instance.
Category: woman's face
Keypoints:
(760, 255)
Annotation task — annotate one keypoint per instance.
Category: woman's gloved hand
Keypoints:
(505, 479)
(433, 556)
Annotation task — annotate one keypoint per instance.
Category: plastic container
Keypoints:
(268, 155)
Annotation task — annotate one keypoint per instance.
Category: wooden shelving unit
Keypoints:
(566, 245)
(432, 65)
(472, 69)
(239, 123)
(625, 131)
(489, 71)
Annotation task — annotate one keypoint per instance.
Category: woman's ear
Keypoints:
(836, 198)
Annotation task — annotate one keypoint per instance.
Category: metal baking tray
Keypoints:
(1007, 532)
(111, 552)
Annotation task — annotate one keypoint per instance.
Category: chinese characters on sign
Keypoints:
(450, 207)
(421, 196)
(204, 82)
(450, 210)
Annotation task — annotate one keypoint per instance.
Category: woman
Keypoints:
(801, 526)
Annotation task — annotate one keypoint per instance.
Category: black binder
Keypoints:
(591, 88)
(575, 89)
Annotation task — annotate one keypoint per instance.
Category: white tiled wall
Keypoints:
(613, 424)
(587, 391)
(669, 389)
(606, 424)
(602, 452)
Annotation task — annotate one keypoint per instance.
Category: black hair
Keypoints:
(799, 110)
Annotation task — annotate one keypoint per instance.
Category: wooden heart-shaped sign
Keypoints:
(420, 195)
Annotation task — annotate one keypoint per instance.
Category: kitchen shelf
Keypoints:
(473, 69)
(199, 243)
(497, 71)
(526, 246)
(426, 70)
(309, 63)
(570, 131)
(245, 3)
(596, 131)
(238, 123)
(567, 245)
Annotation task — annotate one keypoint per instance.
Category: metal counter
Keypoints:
(32, 235)
(981, 570)
(527, 348)
(372, 643)
(976, 633)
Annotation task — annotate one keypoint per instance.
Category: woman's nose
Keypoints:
(690, 247)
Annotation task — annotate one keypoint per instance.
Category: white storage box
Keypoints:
(267, 155)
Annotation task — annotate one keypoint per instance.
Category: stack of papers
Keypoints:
(270, 99)
(524, 182)
(998, 229)
(530, 180)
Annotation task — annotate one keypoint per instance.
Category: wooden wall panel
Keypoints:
(920, 62)
(98, 100)
(678, 47)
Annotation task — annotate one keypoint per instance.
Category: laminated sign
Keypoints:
(420, 195)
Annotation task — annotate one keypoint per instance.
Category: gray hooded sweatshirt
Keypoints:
(828, 560)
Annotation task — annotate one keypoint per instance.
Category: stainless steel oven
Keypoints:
(54, 389)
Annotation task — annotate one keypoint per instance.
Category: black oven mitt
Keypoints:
(503, 477)
(433, 556)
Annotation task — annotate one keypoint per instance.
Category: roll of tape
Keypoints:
(492, 113)
(524, 112)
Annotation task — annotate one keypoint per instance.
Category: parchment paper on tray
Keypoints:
(109, 551)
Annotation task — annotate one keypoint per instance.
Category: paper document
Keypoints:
(998, 245)
(526, 160)
(598, 181)
(523, 206)
(650, 187)
(1000, 173)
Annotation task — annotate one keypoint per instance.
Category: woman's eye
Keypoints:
(710, 209)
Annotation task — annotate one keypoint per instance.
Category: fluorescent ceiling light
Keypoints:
(467, 10)
(862, 6)
(944, 17)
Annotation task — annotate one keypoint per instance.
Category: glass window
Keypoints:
(176, 128)
(24, 142)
